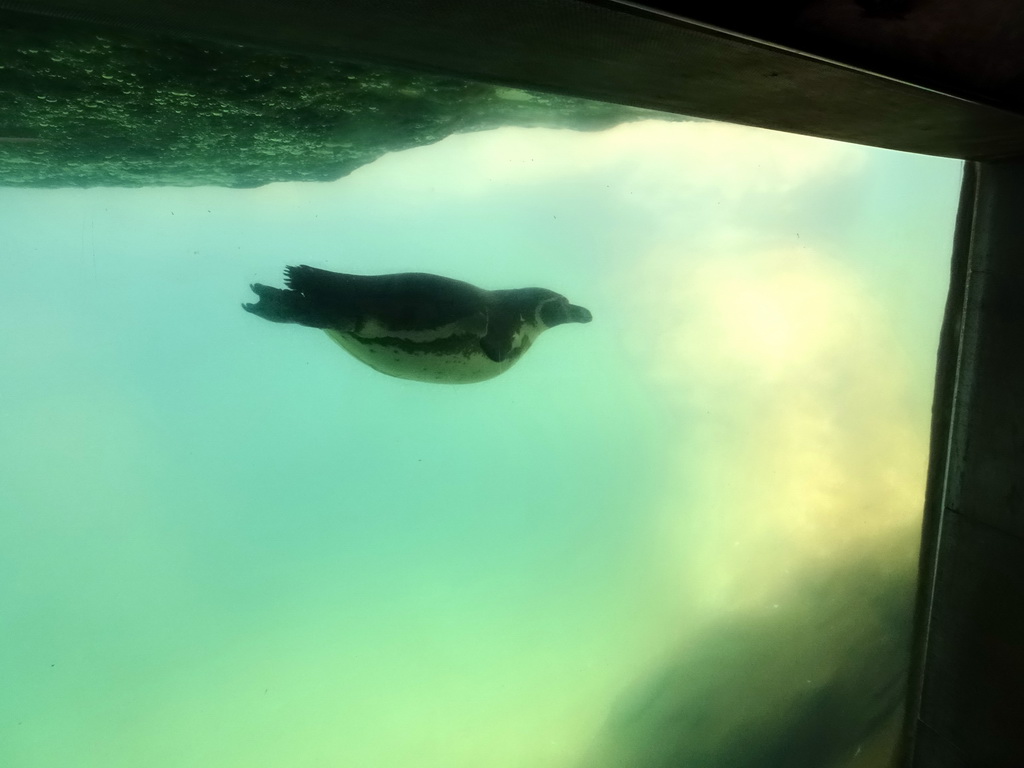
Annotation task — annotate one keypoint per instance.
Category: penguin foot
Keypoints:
(276, 305)
(264, 291)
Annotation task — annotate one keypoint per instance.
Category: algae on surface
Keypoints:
(90, 106)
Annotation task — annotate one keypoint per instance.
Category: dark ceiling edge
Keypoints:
(610, 50)
(826, 44)
(859, 66)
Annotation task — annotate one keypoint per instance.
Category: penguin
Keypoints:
(416, 325)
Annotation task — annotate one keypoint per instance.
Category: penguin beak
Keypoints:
(579, 314)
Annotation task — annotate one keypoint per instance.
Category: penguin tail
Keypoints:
(283, 306)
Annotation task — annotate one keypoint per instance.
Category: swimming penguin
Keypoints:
(415, 325)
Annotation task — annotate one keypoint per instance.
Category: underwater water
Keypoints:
(682, 534)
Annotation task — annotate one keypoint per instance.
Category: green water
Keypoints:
(683, 533)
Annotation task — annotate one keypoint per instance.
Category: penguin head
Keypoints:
(555, 310)
(551, 309)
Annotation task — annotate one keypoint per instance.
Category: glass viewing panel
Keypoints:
(682, 534)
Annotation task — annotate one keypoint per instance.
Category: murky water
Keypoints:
(682, 534)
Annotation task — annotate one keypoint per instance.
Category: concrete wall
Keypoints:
(969, 707)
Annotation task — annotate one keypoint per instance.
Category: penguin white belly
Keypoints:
(424, 364)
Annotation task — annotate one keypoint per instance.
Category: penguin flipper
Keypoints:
(497, 346)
